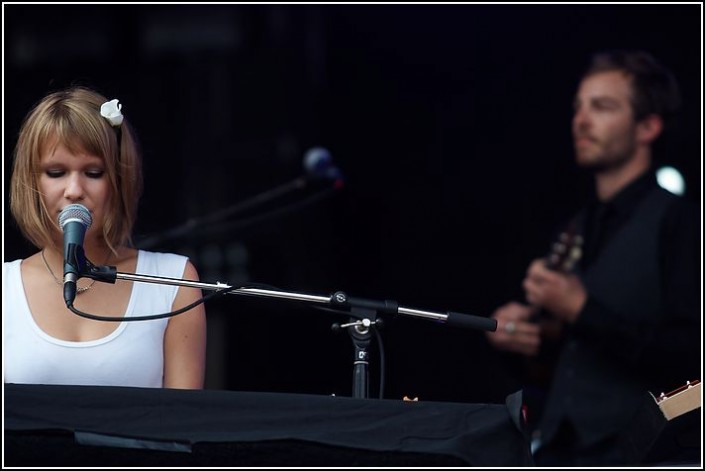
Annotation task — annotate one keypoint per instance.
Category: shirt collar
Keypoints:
(628, 197)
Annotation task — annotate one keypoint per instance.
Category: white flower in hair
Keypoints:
(110, 110)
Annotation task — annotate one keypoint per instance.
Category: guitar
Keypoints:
(680, 401)
(564, 255)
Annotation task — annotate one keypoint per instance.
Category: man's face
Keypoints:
(604, 131)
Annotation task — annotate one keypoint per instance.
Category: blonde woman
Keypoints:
(76, 147)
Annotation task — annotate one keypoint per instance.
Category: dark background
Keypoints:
(450, 123)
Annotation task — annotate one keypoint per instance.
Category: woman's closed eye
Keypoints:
(55, 173)
(89, 173)
(95, 173)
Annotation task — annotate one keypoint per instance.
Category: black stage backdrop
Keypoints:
(451, 125)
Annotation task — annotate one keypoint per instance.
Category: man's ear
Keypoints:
(649, 128)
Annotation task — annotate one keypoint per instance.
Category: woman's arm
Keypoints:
(185, 339)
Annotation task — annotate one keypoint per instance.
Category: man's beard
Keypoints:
(607, 161)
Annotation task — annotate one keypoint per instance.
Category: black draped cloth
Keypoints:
(112, 426)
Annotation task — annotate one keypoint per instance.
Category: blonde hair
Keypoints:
(72, 118)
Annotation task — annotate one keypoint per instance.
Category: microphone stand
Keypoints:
(363, 312)
(360, 330)
(361, 333)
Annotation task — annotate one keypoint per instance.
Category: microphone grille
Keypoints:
(75, 212)
(317, 160)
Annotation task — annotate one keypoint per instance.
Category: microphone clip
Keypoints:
(102, 273)
(78, 266)
(74, 261)
(361, 326)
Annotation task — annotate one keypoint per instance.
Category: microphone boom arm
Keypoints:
(192, 225)
(336, 300)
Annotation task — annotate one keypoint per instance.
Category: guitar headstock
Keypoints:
(565, 252)
(688, 385)
(680, 401)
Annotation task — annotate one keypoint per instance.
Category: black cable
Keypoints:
(208, 297)
(220, 292)
(382, 373)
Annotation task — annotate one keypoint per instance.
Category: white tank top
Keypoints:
(132, 355)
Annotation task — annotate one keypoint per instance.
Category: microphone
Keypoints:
(74, 220)
(319, 164)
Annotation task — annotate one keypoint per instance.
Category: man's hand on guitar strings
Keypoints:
(561, 294)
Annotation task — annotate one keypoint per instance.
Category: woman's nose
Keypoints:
(74, 188)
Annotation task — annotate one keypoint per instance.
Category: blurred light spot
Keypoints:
(671, 179)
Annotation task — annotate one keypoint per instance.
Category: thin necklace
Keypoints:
(79, 290)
